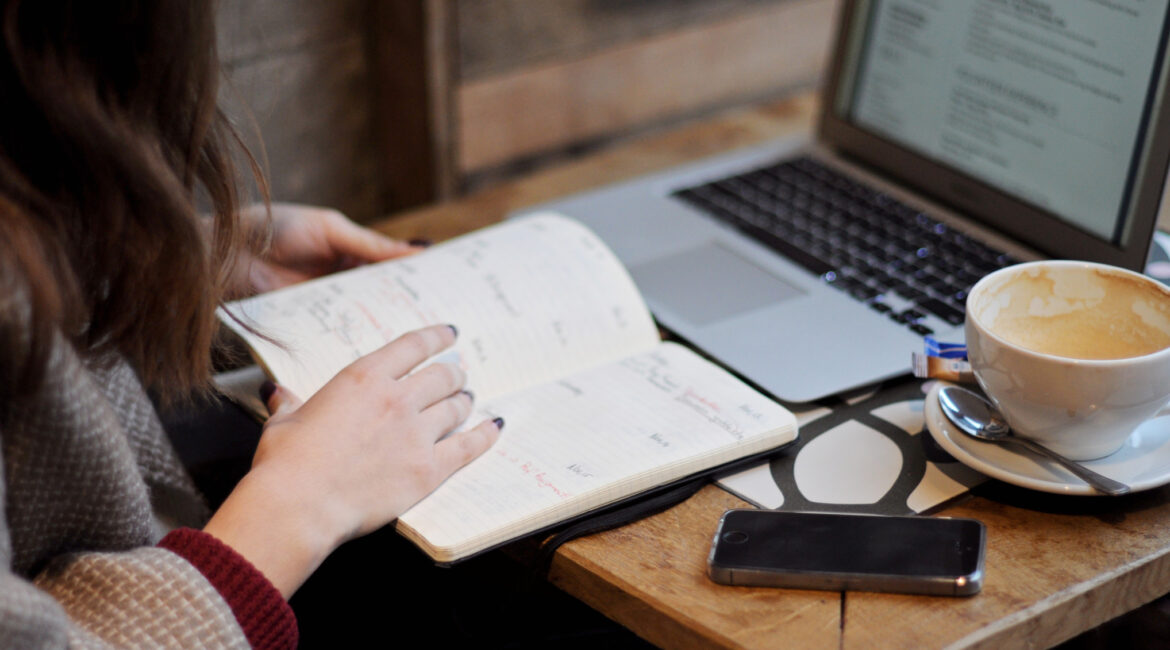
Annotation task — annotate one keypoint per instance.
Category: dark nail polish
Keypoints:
(454, 330)
(421, 242)
(266, 390)
(470, 395)
(499, 422)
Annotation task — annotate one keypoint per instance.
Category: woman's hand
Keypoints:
(309, 242)
(352, 458)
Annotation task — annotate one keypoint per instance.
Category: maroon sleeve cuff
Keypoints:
(262, 612)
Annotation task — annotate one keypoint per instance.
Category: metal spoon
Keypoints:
(979, 419)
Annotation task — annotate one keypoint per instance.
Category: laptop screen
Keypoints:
(1047, 101)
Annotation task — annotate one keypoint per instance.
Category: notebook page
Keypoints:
(591, 439)
(532, 298)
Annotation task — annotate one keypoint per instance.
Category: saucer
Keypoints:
(1142, 463)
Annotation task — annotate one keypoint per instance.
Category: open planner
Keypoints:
(554, 338)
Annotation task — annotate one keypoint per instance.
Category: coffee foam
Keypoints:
(1078, 313)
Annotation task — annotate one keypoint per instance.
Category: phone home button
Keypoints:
(735, 537)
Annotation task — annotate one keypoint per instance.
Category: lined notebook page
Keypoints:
(591, 439)
(532, 298)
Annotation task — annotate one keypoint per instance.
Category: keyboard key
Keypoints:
(943, 310)
(794, 252)
(915, 295)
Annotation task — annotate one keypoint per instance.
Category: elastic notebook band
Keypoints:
(619, 516)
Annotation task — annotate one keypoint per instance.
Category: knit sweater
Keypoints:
(90, 484)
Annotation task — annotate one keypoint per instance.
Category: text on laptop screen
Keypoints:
(1046, 100)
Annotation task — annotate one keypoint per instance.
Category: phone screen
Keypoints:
(762, 543)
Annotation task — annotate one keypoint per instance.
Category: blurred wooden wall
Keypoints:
(299, 71)
(376, 105)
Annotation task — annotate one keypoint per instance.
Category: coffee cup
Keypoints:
(1076, 355)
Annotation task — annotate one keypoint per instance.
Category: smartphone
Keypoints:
(814, 550)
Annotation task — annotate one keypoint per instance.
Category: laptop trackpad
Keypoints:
(710, 283)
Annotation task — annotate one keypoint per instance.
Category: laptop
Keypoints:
(955, 138)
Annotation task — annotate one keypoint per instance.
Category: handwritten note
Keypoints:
(592, 436)
(532, 298)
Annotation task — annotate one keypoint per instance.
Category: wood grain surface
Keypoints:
(1056, 566)
(297, 84)
(542, 108)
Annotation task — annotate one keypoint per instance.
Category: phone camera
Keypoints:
(735, 537)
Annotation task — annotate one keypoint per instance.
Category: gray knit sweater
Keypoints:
(89, 484)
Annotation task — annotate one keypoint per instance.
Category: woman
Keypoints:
(108, 286)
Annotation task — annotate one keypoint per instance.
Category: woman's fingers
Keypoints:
(398, 357)
(461, 448)
(349, 239)
(436, 382)
(442, 417)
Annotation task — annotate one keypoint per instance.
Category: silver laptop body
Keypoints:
(1039, 135)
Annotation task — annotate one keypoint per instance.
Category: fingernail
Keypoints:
(454, 330)
(470, 395)
(499, 422)
(421, 243)
(266, 390)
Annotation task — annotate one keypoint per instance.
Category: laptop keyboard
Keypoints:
(864, 242)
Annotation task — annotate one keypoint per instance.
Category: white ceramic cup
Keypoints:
(1082, 408)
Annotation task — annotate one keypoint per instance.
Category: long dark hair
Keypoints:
(110, 135)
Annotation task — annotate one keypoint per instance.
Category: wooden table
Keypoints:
(1056, 566)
